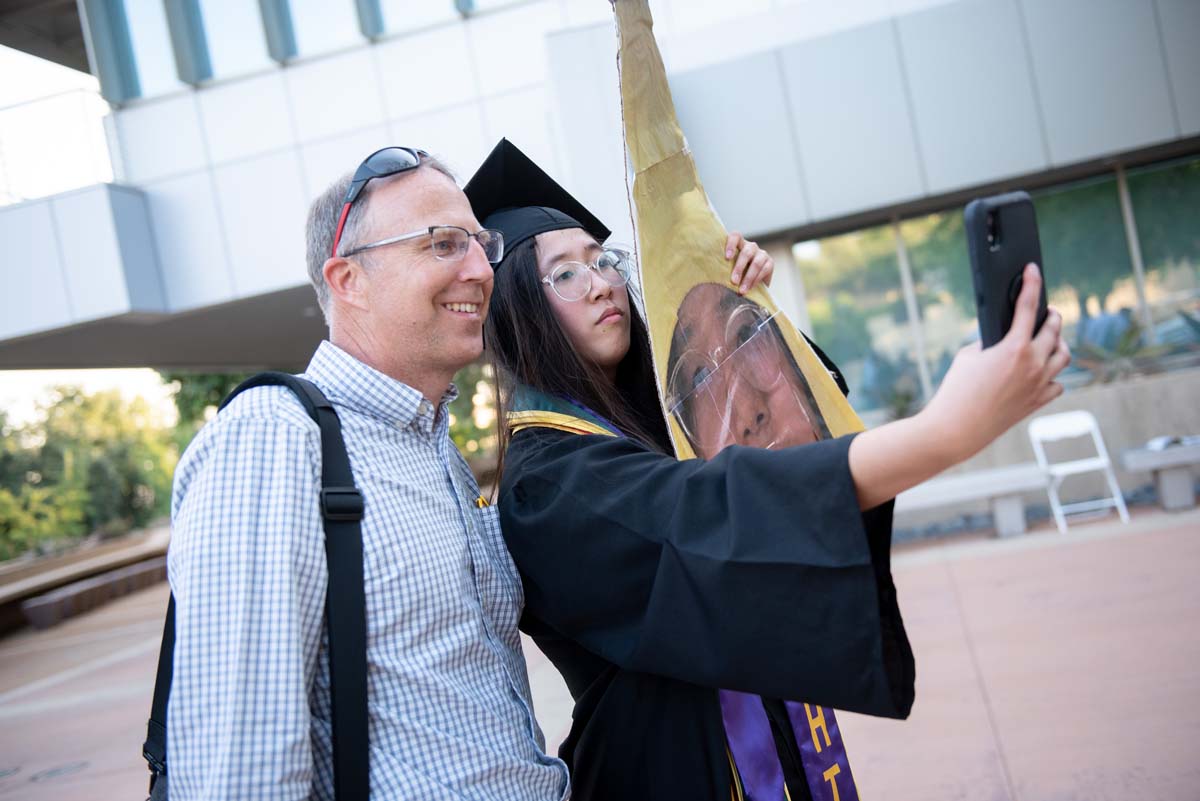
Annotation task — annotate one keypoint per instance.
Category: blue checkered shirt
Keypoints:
(450, 709)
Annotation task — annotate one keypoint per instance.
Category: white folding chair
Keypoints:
(1068, 425)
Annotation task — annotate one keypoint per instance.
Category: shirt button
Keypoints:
(423, 408)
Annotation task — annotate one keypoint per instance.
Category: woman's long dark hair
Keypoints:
(526, 345)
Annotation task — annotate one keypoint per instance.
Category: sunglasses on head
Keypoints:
(380, 164)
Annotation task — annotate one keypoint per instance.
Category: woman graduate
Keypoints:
(681, 599)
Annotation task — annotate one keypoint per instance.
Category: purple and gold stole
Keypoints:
(756, 761)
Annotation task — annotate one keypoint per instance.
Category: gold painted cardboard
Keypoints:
(728, 371)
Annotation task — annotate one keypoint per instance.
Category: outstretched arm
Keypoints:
(985, 393)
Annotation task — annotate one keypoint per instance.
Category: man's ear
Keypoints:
(347, 281)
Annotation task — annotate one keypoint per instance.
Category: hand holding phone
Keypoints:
(1002, 238)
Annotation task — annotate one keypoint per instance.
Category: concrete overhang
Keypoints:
(48, 29)
(277, 331)
(83, 288)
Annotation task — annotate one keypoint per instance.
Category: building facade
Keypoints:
(844, 136)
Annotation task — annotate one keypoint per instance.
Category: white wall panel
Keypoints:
(406, 15)
(1100, 77)
(585, 12)
(524, 119)
(262, 205)
(325, 161)
(247, 117)
(151, 42)
(34, 297)
(510, 47)
(426, 71)
(691, 15)
(323, 26)
(972, 93)
(190, 241)
(91, 254)
(161, 138)
(735, 118)
(455, 135)
(1180, 22)
(139, 253)
(237, 43)
(335, 95)
(585, 109)
(852, 120)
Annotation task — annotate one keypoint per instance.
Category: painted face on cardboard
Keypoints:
(731, 380)
(597, 323)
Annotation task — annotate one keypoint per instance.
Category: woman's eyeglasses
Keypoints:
(572, 280)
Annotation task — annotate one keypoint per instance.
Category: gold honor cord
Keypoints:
(519, 421)
(681, 247)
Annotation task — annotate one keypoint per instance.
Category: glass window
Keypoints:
(1089, 278)
(236, 42)
(1166, 206)
(856, 305)
(937, 252)
(152, 51)
(489, 5)
(322, 26)
(407, 15)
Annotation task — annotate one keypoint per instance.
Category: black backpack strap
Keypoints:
(155, 747)
(345, 603)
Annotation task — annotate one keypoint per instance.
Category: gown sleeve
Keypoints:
(752, 571)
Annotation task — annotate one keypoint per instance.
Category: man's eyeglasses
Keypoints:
(572, 280)
(381, 163)
(449, 242)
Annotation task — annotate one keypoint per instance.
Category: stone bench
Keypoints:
(43, 611)
(1001, 486)
(1172, 470)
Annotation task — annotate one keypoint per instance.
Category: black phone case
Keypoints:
(997, 265)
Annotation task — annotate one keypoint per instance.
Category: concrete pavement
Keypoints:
(1049, 667)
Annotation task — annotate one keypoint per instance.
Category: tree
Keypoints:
(90, 464)
(195, 393)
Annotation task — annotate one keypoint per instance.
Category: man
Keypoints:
(401, 270)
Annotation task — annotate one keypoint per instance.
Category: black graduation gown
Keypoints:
(650, 582)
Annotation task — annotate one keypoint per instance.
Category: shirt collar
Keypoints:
(349, 382)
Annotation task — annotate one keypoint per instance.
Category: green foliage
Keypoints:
(1083, 240)
(195, 393)
(1082, 237)
(36, 516)
(473, 415)
(1165, 203)
(92, 464)
(1128, 356)
(854, 279)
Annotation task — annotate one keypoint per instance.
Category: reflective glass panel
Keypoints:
(1089, 278)
(237, 43)
(1166, 205)
(152, 51)
(855, 303)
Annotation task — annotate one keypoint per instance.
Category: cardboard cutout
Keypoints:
(730, 369)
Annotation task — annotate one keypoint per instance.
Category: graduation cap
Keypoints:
(511, 194)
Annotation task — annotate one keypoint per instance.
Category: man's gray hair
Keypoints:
(323, 218)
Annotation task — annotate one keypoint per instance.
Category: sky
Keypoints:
(51, 98)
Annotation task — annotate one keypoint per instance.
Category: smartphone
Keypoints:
(1002, 237)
